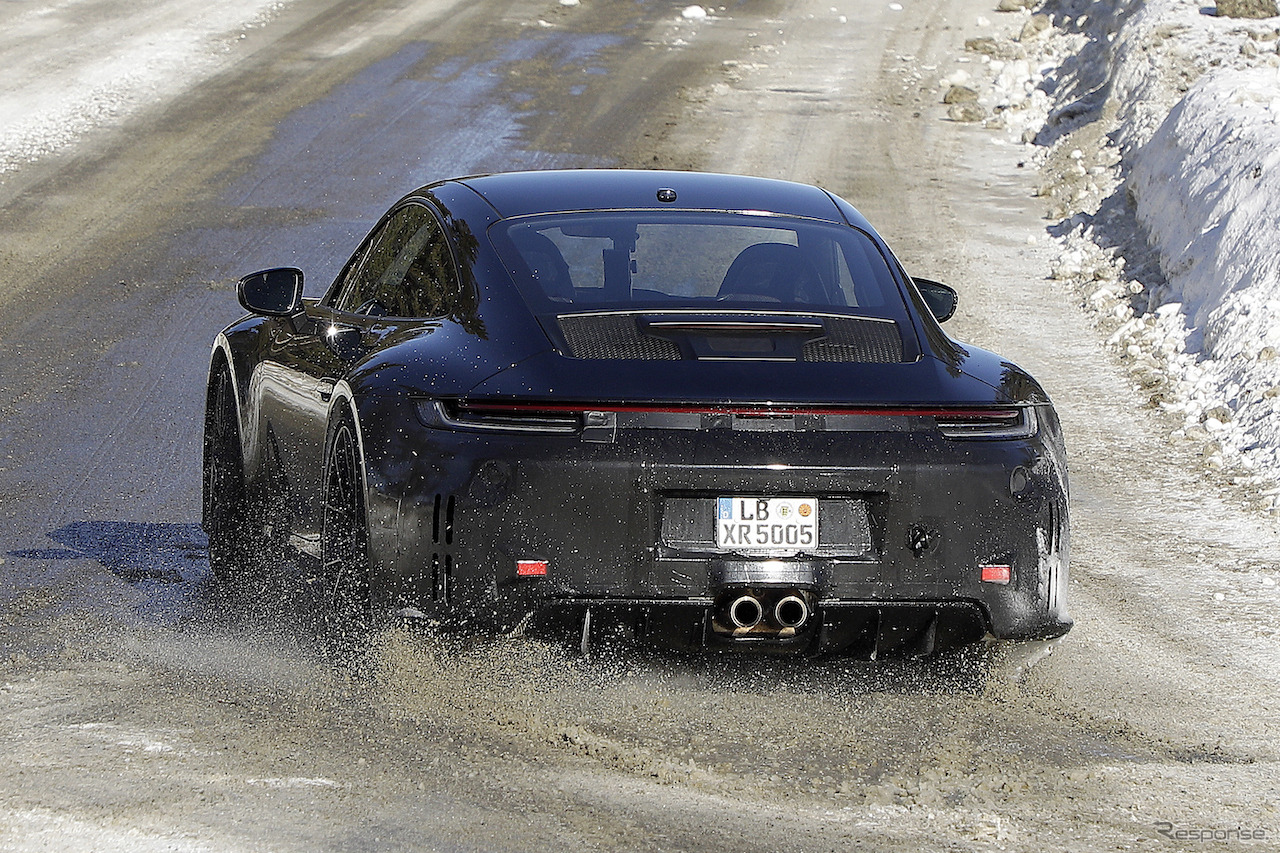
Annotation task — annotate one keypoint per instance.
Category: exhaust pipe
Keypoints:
(791, 612)
(746, 612)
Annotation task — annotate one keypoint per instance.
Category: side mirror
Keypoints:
(275, 293)
(942, 300)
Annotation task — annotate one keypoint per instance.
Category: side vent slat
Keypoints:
(448, 579)
(442, 535)
(1053, 582)
(448, 523)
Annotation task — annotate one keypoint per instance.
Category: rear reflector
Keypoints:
(996, 574)
(531, 568)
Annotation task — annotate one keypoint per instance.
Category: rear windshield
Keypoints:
(572, 262)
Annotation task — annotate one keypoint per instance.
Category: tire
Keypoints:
(344, 544)
(227, 519)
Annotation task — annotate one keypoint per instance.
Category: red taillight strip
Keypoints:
(973, 413)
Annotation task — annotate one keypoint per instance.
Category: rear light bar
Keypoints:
(971, 422)
(756, 410)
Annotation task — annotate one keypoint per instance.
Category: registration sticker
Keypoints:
(773, 526)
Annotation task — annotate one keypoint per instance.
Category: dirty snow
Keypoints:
(1156, 128)
(76, 66)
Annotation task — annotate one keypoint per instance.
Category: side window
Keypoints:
(867, 281)
(407, 272)
(351, 272)
(430, 284)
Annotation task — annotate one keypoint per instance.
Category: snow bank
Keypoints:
(1158, 131)
(1198, 106)
(1207, 188)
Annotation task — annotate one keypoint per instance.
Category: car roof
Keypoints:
(524, 193)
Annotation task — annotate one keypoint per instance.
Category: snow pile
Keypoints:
(1197, 101)
(1007, 90)
(1157, 131)
(1207, 188)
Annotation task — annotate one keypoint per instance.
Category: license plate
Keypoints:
(773, 526)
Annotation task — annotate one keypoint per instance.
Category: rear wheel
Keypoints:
(227, 519)
(344, 542)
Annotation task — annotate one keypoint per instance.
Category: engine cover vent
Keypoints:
(857, 340)
(613, 336)
(634, 335)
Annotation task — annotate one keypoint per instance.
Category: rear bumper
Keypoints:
(453, 513)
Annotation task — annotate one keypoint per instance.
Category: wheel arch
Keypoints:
(220, 361)
(345, 406)
(223, 357)
(386, 507)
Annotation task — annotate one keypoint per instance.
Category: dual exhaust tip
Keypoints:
(790, 612)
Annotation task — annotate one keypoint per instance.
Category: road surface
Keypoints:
(143, 710)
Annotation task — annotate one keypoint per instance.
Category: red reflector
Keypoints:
(996, 574)
(531, 568)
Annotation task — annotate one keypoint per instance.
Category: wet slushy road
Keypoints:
(144, 710)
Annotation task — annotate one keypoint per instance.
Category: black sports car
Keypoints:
(693, 409)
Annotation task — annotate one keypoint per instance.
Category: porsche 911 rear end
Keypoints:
(744, 429)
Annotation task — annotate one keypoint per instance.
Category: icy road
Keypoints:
(151, 152)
